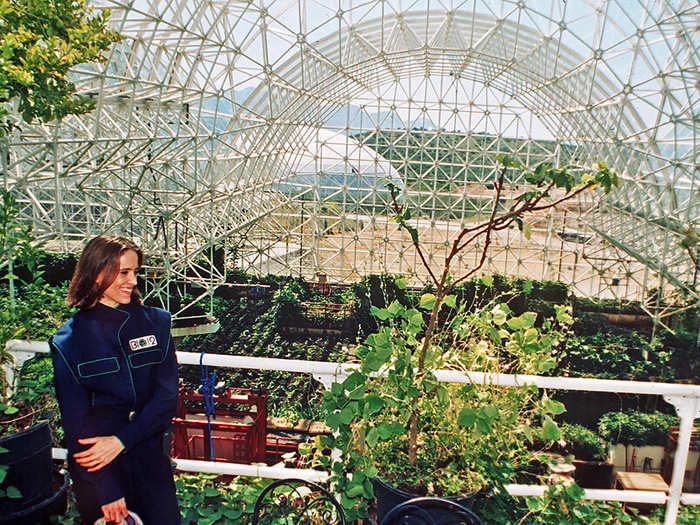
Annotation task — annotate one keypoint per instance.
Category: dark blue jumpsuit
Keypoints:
(115, 373)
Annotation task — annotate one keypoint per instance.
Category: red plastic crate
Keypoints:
(238, 427)
(277, 446)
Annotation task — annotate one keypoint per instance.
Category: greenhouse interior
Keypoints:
(410, 248)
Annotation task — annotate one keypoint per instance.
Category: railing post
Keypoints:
(687, 408)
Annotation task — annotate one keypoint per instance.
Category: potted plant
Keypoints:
(590, 453)
(392, 416)
(28, 484)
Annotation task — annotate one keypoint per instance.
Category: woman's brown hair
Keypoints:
(97, 268)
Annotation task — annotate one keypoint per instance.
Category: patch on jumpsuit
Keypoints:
(147, 341)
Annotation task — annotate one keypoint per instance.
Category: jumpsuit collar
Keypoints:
(107, 314)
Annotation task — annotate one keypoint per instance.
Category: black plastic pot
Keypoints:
(388, 497)
(30, 467)
(594, 474)
(56, 503)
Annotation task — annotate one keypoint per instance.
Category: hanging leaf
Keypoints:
(427, 301)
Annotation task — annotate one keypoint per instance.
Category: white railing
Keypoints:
(685, 399)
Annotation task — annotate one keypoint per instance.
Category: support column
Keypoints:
(687, 408)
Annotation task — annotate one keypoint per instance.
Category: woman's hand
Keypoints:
(103, 450)
(115, 511)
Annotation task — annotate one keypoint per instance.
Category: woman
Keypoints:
(116, 381)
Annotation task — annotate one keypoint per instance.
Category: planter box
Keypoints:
(632, 459)
(594, 474)
(631, 320)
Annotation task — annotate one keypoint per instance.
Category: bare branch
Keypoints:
(399, 213)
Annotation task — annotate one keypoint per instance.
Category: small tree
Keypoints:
(543, 181)
(470, 436)
(40, 41)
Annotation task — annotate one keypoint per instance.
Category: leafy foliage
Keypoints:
(252, 326)
(469, 435)
(40, 41)
(636, 428)
(36, 309)
(621, 355)
(205, 501)
(583, 443)
(565, 504)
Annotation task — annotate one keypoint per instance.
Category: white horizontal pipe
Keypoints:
(690, 499)
(232, 469)
(18, 345)
(569, 383)
(259, 471)
(448, 376)
(630, 496)
(266, 363)
(254, 471)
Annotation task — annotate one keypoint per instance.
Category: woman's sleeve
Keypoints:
(74, 403)
(161, 407)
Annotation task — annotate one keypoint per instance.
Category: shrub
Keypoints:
(583, 443)
(636, 428)
(622, 355)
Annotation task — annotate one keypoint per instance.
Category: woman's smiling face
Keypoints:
(119, 292)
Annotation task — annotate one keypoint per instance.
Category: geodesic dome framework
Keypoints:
(235, 130)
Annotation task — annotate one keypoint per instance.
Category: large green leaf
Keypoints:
(372, 437)
(550, 430)
(499, 315)
(554, 407)
(384, 430)
(515, 323)
(467, 417)
(395, 308)
(427, 301)
(333, 420)
(358, 393)
(380, 313)
(373, 403)
(347, 414)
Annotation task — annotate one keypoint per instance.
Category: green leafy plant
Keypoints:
(620, 355)
(205, 500)
(41, 41)
(564, 503)
(384, 403)
(10, 491)
(583, 443)
(636, 428)
(470, 436)
(248, 327)
(35, 310)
